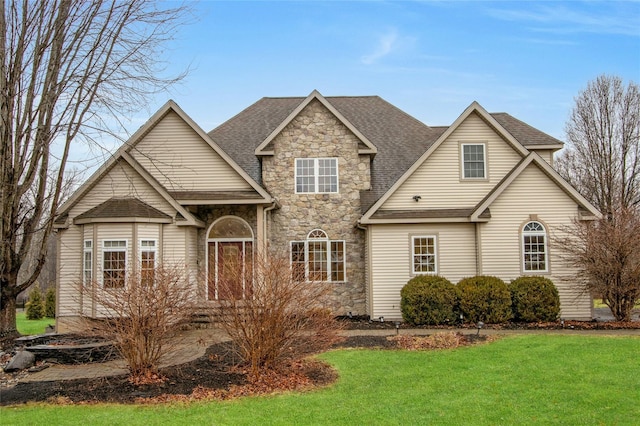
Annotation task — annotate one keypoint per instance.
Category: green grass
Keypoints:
(27, 327)
(533, 379)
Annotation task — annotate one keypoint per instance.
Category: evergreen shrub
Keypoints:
(484, 298)
(428, 299)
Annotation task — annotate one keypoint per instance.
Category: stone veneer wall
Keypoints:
(317, 133)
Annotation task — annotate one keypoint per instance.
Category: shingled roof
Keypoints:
(399, 138)
(123, 207)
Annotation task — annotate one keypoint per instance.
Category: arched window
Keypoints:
(318, 258)
(534, 247)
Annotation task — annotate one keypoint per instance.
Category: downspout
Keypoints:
(274, 204)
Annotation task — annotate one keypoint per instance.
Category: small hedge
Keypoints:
(534, 299)
(428, 299)
(484, 298)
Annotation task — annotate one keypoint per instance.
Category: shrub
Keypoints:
(50, 303)
(279, 319)
(35, 304)
(484, 298)
(534, 299)
(144, 319)
(428, 299)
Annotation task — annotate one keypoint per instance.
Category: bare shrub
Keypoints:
(607, 255)
(279, 317)
(144, 316)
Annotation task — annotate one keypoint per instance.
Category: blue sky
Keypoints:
(429, 58)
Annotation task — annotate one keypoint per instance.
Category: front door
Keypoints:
(229, 269)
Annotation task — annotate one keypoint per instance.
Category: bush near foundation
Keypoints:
(484, 298)
(534, 299)
(429, 299)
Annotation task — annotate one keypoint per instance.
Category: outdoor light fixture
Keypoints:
(479, 325)
(416, 198)
(397, 323)
(350, 314)
(381, 319)
(562, 322)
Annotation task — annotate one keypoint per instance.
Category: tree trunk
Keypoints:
(8, 328)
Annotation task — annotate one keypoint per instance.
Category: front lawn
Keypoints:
(531, 379)
(28, 327)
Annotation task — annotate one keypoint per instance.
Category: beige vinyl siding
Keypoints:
(391, 260)
(69, 271)
(532, 193)
(121, 181)
(438, 180)
(181, 160)
(546, 154)
(173, 245)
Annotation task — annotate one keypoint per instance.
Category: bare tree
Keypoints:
(68, 70)
(607, 254)
(273, 315)
(602, 159)
(143, 317)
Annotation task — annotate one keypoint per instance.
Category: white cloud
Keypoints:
(387, 43)
(579, 17)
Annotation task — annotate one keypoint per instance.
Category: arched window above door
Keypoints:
(230, 227)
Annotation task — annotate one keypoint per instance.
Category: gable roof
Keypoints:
(123, 154)
(399, 138)
(265, 147)
(534, 158)
(474, 108)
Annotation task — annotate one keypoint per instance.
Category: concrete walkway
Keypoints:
(194, 343)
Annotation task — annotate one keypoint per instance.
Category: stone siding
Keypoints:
(317, 133)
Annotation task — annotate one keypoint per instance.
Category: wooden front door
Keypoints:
(229, 266)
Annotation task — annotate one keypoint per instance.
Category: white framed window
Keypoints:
(87, 262)
(424, 254)
(316, 175)
(114, 263)
(318, 258)
(534, 247)
(474, 161)
(148, 249)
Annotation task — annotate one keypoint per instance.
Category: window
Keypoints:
(87, 262)
(473, 161)
(534, 247)
(147, 261)
(316, 175)
(424, 255)
(114, 257)
(318, 258)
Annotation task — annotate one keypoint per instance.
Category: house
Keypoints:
(356, 192)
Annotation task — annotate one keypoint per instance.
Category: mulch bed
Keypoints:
(217, 374)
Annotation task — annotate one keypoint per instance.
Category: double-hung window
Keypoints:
(474, 161)
(424, 254)
(147, 261)
(317, 258)
(534, 247)
(114, 263)
(316, 175)
(87, 262)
